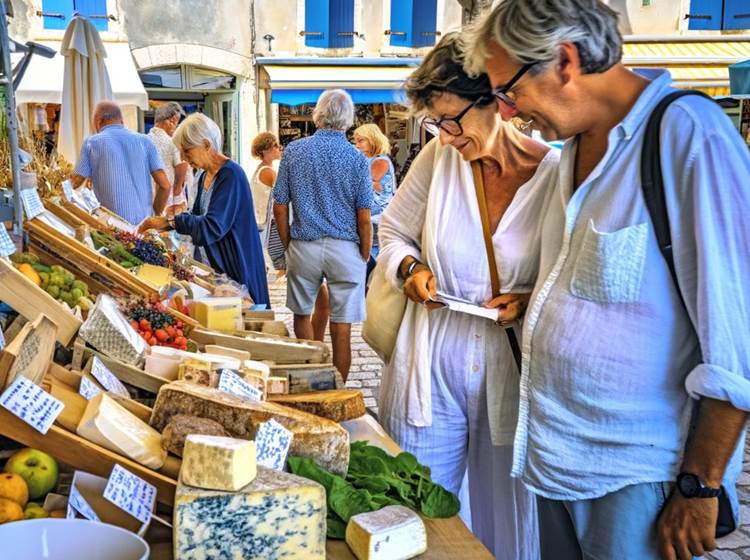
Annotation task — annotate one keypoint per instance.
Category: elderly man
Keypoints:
(166, 119)
(327, 181)
(614, 362)
(121, 164)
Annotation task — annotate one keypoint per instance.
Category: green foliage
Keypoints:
(375, 480)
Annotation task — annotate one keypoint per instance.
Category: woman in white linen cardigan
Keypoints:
(450, 392)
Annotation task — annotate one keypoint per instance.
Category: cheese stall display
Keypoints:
(185, 415)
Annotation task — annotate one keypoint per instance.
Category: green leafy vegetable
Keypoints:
(375, 480)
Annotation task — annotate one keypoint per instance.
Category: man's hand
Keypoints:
(421, 287)
(158, 223)
(510, 307)
(687, 527)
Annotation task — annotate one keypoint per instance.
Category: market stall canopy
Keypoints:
(739, 78)
(43, 81)
(694, 62)
(299, 81)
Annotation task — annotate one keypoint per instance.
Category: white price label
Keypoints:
(89, 198)
(7, 247)
(272, 443)
(67, 188)
(2, 340)
(88, 389)
(79, 504)
(130, 493)
(31, 403)
(32, 204)
(107, 378)
(230, 382)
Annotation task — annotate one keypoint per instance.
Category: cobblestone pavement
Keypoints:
(365, 375)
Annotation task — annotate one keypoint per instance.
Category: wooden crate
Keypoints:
(279, 349)
(30, 300)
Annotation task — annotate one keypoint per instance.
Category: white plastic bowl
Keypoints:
(69, 539)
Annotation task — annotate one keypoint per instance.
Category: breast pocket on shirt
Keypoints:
(609, 267)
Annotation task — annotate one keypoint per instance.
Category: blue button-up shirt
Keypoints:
(119, 163)
(327, 180)
(611, 361)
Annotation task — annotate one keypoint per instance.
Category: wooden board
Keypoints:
(82, 454)
(265, 347)
(30, 300)
(337, 405)
(29, 353)
(447, 539)
(269, 327)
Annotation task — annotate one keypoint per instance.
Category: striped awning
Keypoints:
(695, 64)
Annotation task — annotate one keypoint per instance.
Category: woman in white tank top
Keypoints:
(267, 148)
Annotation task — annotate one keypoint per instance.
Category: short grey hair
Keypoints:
(334, 109)
(167, 111)
(533, 30)
(196, 129)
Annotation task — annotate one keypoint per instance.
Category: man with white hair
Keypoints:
(327, 181)
(166, 118)
(628, 334)
(121, 164)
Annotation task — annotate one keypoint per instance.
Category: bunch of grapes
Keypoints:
(149, 253)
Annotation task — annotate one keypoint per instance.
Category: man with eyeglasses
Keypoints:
(613, 368)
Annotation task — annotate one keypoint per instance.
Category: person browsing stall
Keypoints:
(166, 119)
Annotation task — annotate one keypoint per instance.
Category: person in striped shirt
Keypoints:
(120, 164)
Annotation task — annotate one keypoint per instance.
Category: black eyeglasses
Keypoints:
(501, 92)
(452, 125)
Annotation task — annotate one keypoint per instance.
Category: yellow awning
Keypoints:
(702, 65)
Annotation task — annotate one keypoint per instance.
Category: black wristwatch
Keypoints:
(690, 486)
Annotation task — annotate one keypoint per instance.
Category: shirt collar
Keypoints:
(157, 130)
(115, 125)
(660, 81)
(329, 132)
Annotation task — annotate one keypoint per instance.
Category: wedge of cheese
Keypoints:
(108, 424)
(277, 516)
(322, 440)
(218, 463)
(338, 405)
(392, 533)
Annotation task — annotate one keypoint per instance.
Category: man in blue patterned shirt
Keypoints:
(327, 181)
(120, 164)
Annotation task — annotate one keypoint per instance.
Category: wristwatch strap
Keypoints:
(411, 267)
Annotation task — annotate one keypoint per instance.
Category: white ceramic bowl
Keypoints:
(69, 539)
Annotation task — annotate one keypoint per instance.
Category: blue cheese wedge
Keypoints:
(277, 516)
(392, 533)
(218, 463)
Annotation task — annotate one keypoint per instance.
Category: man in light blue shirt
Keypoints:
(613, 364)
(120, 164)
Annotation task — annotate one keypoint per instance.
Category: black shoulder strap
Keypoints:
(652, 181)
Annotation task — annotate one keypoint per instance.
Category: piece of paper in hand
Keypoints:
(130, 493)
(32, 204)
(88, 389)
(107, 378)
(7, 247)
(230, 382)
(272, 443)
(80, 505)
(31, 403)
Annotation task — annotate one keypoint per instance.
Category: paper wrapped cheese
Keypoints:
(107, 330)
(322, 440)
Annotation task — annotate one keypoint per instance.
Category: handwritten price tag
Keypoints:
(88, 389)
(272, 443)
(31, 404)
(130, 493)
(7, 247)
(32, 204)
(67, 188)
(77, 502)
(107, 378)
(89, 198)
(230, 382)
(2, 340)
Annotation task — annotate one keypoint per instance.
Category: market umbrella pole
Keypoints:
(10, 114)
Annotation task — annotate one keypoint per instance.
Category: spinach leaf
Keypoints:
(335, 527)
(438, 502)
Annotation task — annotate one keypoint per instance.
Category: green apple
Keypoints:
(38, 469)
(34, 511)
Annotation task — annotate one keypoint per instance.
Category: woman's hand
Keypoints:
(510, 307)
(421, 287)
(159, 223)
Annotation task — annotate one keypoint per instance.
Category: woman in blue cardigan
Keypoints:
(222, 222)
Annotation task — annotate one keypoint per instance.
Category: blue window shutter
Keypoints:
(317, 23)
(64, 7)
(342, 24)
(402, 15)
(737, 14)
(93, 8)
(424, 23)
(705, 14)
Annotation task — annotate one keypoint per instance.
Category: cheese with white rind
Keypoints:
(320, 439)
(277, 516)
(108, 424)
(392, 533)
(218, 463)
(107, 330)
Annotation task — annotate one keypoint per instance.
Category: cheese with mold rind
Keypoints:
(392, 533)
